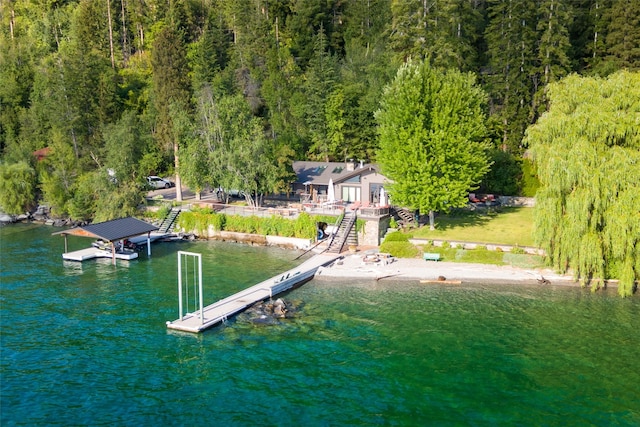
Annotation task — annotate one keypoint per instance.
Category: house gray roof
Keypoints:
(319, 173)
(112, 230)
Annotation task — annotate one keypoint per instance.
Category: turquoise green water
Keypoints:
(86, 344)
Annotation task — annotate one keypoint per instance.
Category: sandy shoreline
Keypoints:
(352, 266)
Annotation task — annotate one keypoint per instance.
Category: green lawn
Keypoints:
(508, 226)
(484, 256)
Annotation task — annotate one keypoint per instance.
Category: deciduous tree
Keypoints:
(432, 132)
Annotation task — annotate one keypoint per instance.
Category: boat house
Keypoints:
(110, 233)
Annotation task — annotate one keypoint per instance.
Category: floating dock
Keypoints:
(215, 313)
(92, 252)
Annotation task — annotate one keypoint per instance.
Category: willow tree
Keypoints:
(432, 138)
(587, 152)
(17, 187)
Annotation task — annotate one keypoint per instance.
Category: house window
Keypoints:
(350, 194)
(374, 193)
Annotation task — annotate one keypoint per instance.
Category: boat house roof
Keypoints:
(112, 230)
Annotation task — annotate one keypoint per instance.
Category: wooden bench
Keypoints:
(428, 256)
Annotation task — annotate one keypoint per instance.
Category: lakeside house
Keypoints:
(345, 182)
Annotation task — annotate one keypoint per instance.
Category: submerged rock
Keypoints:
(270, 312)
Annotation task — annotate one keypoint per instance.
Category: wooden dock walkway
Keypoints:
(223, 309)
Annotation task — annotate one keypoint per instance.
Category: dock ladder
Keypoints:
(190, 276)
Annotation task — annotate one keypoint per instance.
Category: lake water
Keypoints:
(86, 344)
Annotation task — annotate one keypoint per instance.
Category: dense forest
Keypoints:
(229, 92)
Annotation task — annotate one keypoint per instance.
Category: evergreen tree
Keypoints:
(366, 21)
(170, 87)
(281, 87)
(321, 81)
(307, 18)
(97, 197)
(446, 31)
(623, 36)
(555, 18)
(432, 134)
(553, 49)
(582, 32)
(364, 72)
(16, 77)
(209, 54)
(599, 14)
(511, 47)
(587, 152)
(407, 38)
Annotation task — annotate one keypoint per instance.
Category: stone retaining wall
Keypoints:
(528, 202)
(473, 245)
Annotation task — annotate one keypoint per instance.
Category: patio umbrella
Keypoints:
(331, 193)
(383, 197)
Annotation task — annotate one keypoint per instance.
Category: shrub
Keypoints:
(304, 227)
(523, 260)
(517, 250)
(198, 221)
(396, 236)
(501, 178)
(400, 249)
(529, 182)
(163, 211)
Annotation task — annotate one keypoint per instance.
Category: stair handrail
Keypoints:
(352, 221)
(347, 229)
(168, 220)
(337, 228)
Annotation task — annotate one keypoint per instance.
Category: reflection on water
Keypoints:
(86, 344)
